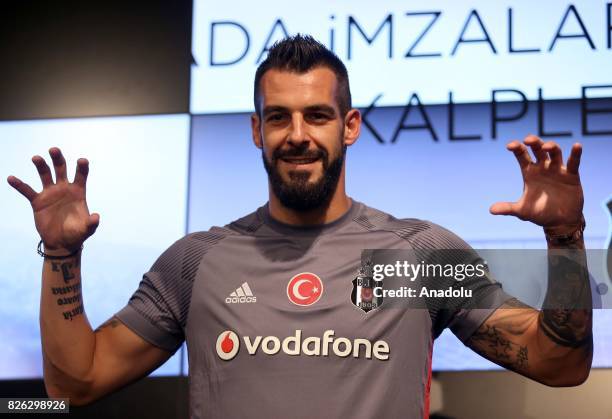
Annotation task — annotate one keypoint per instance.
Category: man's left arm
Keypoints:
(553, 346)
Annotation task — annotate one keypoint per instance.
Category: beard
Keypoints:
(299, 193)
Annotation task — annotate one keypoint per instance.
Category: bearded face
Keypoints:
(301, 133)
(301, 189)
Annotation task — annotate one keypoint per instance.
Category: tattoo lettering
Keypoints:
(65, 290)
(71, 293)
(77, 311)
(65, 268)
(69, 300)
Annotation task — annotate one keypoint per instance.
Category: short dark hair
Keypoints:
(302, 53)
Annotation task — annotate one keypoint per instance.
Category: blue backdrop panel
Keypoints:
(138, 184)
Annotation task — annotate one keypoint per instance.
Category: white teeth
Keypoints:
(300, 161)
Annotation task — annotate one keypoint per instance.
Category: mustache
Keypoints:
(298, 153)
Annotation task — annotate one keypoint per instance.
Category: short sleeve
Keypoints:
(463, 314)
(466, 321)
(158, 309)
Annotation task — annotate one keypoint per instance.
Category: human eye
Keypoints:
(318, 116)
(275, 117)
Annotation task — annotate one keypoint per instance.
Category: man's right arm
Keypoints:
(80, 363)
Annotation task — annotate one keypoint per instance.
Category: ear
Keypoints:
(352, 126)
(256, 130)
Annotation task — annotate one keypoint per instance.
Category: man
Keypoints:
(263, 303)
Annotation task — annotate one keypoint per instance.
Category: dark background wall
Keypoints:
(153, 397)
(91, 58)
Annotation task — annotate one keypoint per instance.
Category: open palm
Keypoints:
(60, 209)
(552, 193)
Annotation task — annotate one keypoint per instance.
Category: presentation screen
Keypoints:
(440, 50)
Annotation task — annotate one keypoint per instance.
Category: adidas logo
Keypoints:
(243, 294)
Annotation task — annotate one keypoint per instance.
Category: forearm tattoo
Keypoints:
(66, 268)
(69, 296)
(566, 317)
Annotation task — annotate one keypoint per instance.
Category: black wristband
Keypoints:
(566, 239)
(53, 257)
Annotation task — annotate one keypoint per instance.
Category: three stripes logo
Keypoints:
(242, 295)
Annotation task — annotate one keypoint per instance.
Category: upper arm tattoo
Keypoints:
(499, 338)
(112, 323)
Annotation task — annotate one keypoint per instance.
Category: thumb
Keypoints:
(92, 223)
(503, 208)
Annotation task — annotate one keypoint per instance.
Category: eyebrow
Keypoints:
(312, 108)
(269, 109)
(321, 108)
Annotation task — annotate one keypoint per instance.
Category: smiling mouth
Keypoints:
(300, 160)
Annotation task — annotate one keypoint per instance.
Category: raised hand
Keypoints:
(552, 193)
(60, 209)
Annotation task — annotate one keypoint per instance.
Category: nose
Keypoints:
(297, 134)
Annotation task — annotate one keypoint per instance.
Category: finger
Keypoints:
(23, 188)
(573, 162)
(555, 153)
(59, 164)
(93, 223)
(520, 152)
(504, 208)
(43, 171)
(82, 169)
(535, 143)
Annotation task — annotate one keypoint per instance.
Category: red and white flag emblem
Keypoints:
(304, 289)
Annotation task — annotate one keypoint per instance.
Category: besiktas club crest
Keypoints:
(363, 293)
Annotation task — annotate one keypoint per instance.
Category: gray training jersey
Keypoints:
(271, 332)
